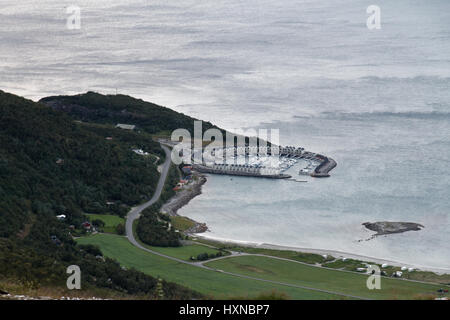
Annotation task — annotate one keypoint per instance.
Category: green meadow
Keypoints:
(320, 278)
(215, 284)
(111, 221)
(184, 252)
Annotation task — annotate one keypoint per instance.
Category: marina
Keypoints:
(265, 162)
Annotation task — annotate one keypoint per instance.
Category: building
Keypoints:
(86, 225)
(140, 152)
(126, 126)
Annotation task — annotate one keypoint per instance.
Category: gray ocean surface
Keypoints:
(377, 101)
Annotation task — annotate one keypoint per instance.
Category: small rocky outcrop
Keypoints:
(388, 227)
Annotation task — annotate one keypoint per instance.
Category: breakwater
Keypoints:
(323, 169)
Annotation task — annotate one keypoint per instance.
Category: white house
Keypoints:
(125, 126)
(140, 152)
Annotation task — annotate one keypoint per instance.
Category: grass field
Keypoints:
(345, 282)
(181, 223)
(111, 221)
(310, 258)
(212, 283)
(184, 252)
(329, 262)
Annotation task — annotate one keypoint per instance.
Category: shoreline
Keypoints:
(182, 198)
(335, 253)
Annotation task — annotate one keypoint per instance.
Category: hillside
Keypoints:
(52, 165)
(113, 109)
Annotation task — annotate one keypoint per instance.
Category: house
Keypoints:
(87, 225)
(397, 274)
(108, 138)
(61, 217)
(59, 161)
(140, 152)
(125, 126)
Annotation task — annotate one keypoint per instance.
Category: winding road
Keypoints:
(135, 213)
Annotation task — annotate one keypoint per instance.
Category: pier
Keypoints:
(323, 169)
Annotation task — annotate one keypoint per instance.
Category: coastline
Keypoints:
(184, 196)
(335, 253)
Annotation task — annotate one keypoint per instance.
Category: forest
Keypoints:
(154, 229)
(51, 164)
(114, 109)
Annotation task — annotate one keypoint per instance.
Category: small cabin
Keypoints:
(126, 126)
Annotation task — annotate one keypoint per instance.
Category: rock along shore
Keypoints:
(183, 197)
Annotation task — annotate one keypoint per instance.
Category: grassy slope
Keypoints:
(310, 258)
(111, 221)
(184, 252)
(345, 282)
(207, 282)
(112, 109)
(329, 262)
(181, 223)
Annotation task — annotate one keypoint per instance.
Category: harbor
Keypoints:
(264, 162)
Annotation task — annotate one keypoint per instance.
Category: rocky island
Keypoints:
(388, 227)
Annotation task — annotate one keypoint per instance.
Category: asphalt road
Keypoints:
(135, 212)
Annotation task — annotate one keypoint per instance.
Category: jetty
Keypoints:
(326, 164)
(323, 169)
